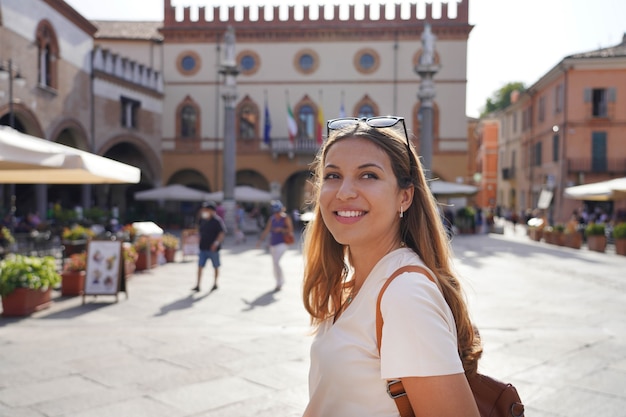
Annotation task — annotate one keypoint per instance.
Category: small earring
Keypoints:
(401, 212)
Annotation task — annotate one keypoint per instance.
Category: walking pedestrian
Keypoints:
(212, 232)
(374, 214)
(278, 225)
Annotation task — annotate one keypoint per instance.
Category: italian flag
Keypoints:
(292, 126)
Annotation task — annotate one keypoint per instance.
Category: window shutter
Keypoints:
(612, 94)
(587, 95)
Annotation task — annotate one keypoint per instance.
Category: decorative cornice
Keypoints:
(128, 84)
(75, 17)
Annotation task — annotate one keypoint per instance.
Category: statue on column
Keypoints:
(428, 42)
(229, 46)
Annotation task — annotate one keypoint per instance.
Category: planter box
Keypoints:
(71, 247)
(596, 243)
(146, 260)
(129, 268)
(170, 254)
(535, 234)
(572, 240)
(620, 246)
(24, 301)
(72, 282)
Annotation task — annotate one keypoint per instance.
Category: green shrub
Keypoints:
(619, 231)
(19, 271)
(594, 229)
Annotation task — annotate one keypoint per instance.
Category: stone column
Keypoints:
(426, 69)
(229, 94)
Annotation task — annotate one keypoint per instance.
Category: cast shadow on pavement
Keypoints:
(79, 310)
(181, 304)
(262, 300)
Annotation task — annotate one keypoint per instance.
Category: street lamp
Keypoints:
(8, 73)
(13, 76)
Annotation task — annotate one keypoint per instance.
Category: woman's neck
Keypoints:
(363, 260)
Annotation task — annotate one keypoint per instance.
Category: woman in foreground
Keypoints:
(374, 214)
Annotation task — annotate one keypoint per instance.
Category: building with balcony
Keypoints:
(150, 93)
(567, 129)
(314, 63)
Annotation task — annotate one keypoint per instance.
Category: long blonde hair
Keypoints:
(421, 230)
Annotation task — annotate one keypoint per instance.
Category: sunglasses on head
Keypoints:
(376, 122)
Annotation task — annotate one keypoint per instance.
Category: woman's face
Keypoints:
(359, 195)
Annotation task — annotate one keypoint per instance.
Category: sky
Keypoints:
(512, 40)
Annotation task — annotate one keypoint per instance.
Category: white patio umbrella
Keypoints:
(244, 193)
(173, 192)
(451, 189)
(609, 190)
(25, 159)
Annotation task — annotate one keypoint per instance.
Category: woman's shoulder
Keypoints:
(400, 258)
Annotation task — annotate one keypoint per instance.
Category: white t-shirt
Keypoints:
(348, 377)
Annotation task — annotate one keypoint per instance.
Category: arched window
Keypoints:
(306, 122)
(248, 119)
(366, 111)
(366, 107)
(48, 53)
(188, 118)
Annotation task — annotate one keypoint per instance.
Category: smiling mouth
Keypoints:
(350, 213)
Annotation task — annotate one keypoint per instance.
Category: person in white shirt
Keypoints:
(374, 213)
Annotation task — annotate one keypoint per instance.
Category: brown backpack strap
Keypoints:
(394, 387)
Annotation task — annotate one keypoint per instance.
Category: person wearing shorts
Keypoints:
(212, 232)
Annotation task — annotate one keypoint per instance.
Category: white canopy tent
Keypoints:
(609, 190)
(25, 159)
(244, 193)
(173, 192)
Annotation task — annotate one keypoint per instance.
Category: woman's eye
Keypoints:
(370, 175)
(331, 176)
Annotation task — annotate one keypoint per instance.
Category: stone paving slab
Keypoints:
(552, 321)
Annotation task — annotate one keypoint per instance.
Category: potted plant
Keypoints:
(129, 255)
(619, 236)
(73, 274)
(128, 233)
(548, 235)
(6, 240)
(572, 238)
(596, 237)
(170, 244)
(75, 239)
(148, 249)
(559, 234)
(26, 283)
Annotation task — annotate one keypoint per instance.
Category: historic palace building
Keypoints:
(150, 94)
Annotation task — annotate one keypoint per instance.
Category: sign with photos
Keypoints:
(104, 268)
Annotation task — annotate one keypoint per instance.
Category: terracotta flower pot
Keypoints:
(146, 260)
(25, 301)
(573, 240)
(72, 282)
(129, 267)
(620, 246)
(596, 243)
(170, 254)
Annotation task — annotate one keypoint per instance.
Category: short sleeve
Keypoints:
(419, 333)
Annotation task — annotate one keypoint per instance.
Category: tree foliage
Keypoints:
(501, 98)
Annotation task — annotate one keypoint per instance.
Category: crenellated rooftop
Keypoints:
(457, 25)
